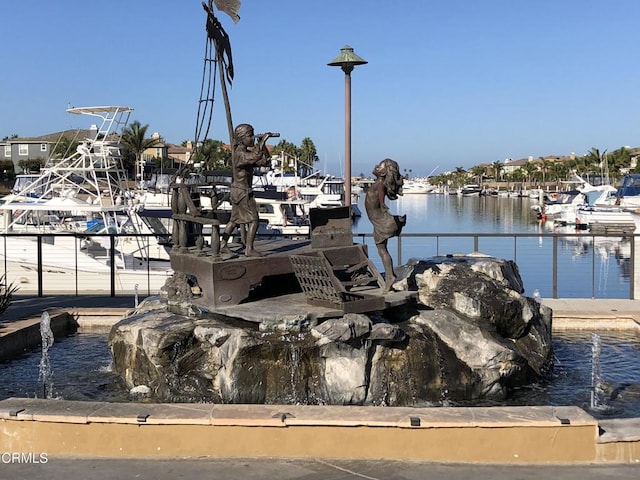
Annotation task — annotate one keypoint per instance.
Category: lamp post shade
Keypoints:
(347, 59)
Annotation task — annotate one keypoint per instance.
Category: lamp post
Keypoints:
(347, 60)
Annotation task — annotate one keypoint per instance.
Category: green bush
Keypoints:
(6, 293)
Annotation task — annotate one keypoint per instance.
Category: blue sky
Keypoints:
(449, 83)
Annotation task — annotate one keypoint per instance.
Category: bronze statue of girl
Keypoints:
(388, 184)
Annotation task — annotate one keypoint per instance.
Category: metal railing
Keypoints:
(32, 262)
(545, 262)
(552, 270)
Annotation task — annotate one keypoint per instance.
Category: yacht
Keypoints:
(279, 216)
(606, 220)
(470, 190)
(627, 195)
(416, 187)
(85, 194)
(316, 190)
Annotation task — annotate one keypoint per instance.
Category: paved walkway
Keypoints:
(592, 307)
(27, 306)
(307, 469)
(23, 306)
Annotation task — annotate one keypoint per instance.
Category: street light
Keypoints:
(347, 60)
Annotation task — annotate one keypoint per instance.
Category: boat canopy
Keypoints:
(96, 110)
(630, 186)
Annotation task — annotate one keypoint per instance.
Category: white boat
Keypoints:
(320, 192)
(279, 217)
(588, 207)
(626, 196)
(416, 187)
(470, 190)
(610, 220)
(316, 189)
(288, 218)
(329, 193)
(88, 187)
(561, 207)
(65, 267)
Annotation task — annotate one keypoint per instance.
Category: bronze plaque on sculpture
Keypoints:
(330, 227)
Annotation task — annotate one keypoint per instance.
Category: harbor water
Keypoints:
(587, 266)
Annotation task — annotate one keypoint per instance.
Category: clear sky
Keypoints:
(449, 82)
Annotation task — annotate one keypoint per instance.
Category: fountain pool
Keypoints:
(80, 369)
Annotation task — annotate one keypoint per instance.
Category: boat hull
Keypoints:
(65, 269)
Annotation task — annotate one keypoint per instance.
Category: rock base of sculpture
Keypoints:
(473, 335)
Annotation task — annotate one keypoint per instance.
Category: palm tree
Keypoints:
(593, 161)
(528, 169)
(559, 171)
(479, 171)
(459, 176)
(545, 166)
(497, 170)
(518, 175)
(134, 139)
(617, 161)
(308, 152)
(291, 151)
(213, 155)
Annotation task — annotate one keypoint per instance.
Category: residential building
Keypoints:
(22, 150)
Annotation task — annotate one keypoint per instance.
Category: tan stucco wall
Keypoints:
(478, 445)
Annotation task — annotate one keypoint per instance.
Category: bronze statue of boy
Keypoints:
(244, 210)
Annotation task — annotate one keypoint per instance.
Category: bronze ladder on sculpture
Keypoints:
(328, 277)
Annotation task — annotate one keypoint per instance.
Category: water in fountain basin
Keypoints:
(618, 377)
(82, 365)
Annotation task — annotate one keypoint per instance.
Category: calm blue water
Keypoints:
(582, 270)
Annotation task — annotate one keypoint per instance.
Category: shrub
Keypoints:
(6, 293)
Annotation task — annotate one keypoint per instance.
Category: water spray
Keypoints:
(45, 374)
(596, 349)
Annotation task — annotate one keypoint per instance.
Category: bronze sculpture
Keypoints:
(388, 184)
(244, 209)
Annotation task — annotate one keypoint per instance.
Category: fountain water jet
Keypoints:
(596, 350)
(45, 374)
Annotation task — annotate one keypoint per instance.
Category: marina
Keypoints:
(83, 201)
(561, 262)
